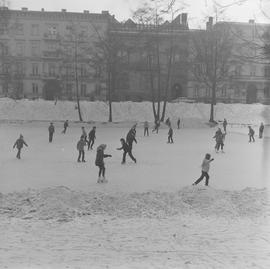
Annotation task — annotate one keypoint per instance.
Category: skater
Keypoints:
(146, 128)
(80, 147)
(65, 127)
(178, 123)
(168, 122)
(51, 132)
(205, 169)
(225, 123)
(19, 145)
(219, 140)
(170, 134)
(156, 127)
(100, 163)
(84, 134)
(261, 130)
(131, 138)
(91, 138)
(251, 134)
(125, 147)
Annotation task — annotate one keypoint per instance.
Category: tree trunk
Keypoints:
(77, 82)
(213, 102)
(110, 80)
(152, 86)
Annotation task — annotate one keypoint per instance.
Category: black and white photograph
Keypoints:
(134, 134)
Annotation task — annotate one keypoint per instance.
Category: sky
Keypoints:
(198, 10)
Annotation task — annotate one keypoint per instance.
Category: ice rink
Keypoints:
(160, 166)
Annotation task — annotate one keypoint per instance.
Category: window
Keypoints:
(83, 70)
(69, 70)
(267, 92)
(267, 71)
(237, 91)
(19, 29)
(20, 48)
(19, 68)
(196, 91)
(208, 91)
(69, 89)
(35, 45)
(83, 90)
(35, 88)
(238, 70)
(224, 91)
(34, 29)
(252, 71)
(35, 69)
(52, 69)
(52, 29)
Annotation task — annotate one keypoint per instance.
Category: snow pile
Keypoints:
(192, 114)
(63, 204)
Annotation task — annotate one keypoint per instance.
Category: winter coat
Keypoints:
(205, 165)
(92, 134)
(19, 143)
(100, 157)
(218, 136)
(251, 131)
(80, 145)
(125, 147)
(131, 136)
(51, 129)
(65, 124)
(170, 133)
(146, 124)
(261, 128)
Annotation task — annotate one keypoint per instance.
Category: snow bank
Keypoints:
(63, 204)
(191, 113)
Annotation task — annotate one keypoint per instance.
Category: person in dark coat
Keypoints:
(100, 162)
(225, 123)
(170, 135)
(51, 132)
(205, 169)
(251, 134)
(19, 145)
(261, 128)
(65, 127)
(178, 123)
(156, 127)
(131, 137)
(219, 139)
(80, 147)
(168, 122)
(146, 128)
(91, 138)
(125, 147)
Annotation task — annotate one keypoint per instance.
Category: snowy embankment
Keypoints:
(63, 204)
(192, 114)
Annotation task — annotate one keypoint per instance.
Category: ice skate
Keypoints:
(104, 180)
(99, 180)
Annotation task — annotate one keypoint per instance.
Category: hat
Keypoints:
(102, 146)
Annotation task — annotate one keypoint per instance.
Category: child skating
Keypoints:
(205, 169)
(80, 147)
(91, 138)
(170, 135)
(65, 127)
(84, 134)
(51, 132)
(146, 128)
(178, 123)
(251, 134)
(19, 145)
(261, 128)
(100, 163)
(125, 147)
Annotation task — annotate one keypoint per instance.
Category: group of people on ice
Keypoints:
(127, 145)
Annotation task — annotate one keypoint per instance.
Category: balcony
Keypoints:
(51, 54)
(51, 37)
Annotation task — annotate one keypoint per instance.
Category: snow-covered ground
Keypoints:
(147, 216)
(195, 114)
(53, 214)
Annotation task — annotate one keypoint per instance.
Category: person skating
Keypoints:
(168, 122)
(156, 127)
(91, 138)
(100, 162)
(219, 140)
(205, 169)
(225, 123)
(170, 135)
(125, 147)
(178, 123)
(131, 137)
(80, 147)
(146, 128)
(51, 132)
(261, 129)
(19, 145)
(84, 134)
(65, 127)
(251, 134)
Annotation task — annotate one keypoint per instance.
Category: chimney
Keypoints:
(64, 10)
(184, 18)
(24, 9)
(105, 12)
(209, 24)
(86, 11)
(42, 9)
(251, 21)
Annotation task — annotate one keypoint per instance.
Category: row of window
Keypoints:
(252, 71)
